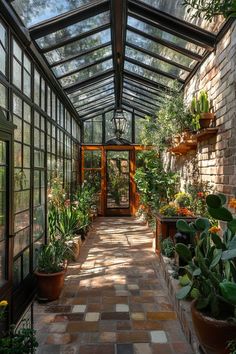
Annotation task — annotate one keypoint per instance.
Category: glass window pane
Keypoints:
(86, 73)
(168, 37)
(2, 262)
(32, 12)
(74, 30)
(79, 46)
(3, 96)
(148, 74)
(176, 8)
(81, 61)
(99, 96)
(98, 86)
(17, 74)
(92, 159)
(17, 52)
(160, 49)
(93, 131)
(3, 35)
(139, 123)
(156, 63)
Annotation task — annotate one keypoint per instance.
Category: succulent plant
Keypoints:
(212, 270)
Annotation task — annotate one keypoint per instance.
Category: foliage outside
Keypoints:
(208, 9)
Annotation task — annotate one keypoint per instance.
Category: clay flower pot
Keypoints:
(212, 334)
(206, 119)
(50, 285)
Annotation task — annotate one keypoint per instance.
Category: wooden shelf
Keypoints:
(206, 133)
(184, 147)
(191, 143)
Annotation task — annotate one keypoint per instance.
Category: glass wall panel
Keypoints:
(93, 130)
(3, 49)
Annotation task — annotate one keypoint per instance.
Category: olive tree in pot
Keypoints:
(212, 275)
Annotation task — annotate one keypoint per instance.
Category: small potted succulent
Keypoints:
(201, 110)
(212, 277)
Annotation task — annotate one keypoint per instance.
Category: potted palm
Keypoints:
(212, 277)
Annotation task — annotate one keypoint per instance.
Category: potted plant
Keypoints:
(200, 109)
(212, 276)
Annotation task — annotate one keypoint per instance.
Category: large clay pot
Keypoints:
(206, 119)
(50, 285)
(212, 334)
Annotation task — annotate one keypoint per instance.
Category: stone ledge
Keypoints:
(182, 308)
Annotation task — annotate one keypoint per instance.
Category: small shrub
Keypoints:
(168, 247)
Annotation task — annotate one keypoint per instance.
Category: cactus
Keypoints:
(204, 102)
(212, 270)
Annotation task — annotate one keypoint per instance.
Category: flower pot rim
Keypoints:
(207, 115)
(210, 319)
(42, 274)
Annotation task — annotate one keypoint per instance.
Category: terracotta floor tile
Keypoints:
(113, 301)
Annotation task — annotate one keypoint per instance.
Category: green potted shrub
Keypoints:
(201, 110)
(18, 341)
(212, 276)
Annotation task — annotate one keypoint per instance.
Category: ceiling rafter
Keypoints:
(94, 102)
(119, 19)
(142, 94)
(69, 18)
(143, 104)
(145, 87)
(135, 107)
(178, 27)
(97, 111)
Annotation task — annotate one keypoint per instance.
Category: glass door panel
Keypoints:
(118, 180)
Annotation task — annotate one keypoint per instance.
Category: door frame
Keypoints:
(133, 191)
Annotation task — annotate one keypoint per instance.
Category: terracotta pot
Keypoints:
(50, 285)
(212, 334)
(206, 119)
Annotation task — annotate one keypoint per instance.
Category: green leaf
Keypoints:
(197, 272)
(227, 255)
(213, 201)
(216, 259)
(184, 252)
(202, 224)
(232, 226)
(228, 291)
(217, 240)
(202, 303)
(183, 292)
(232, 243)
(220, 214)
(184, 280)
(183, 226)
(222, 198)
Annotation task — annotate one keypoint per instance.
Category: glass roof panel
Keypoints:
(97, 87)
(168, 37)
(87, 96)
(145, 87)
(142, 91)
(142, 97)
(34, 12)
(95, 103)
(74, 64)
(141, 102)
(78, 46)
(160, 49)
(136, 69)
(176, 8)
(86, 73)
(138, 107)
(98, 106)
(95, 97)
(74, 30)
(155, 63)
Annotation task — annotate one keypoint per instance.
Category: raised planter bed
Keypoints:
(166, 227)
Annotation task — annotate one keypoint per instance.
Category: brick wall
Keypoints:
(215, 158)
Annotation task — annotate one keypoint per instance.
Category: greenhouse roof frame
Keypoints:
(132, 49)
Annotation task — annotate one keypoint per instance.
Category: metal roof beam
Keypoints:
(119, 20)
